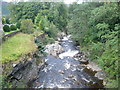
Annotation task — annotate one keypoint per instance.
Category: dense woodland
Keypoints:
(93, 26)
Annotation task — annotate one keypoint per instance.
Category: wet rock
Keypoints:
(70, 76)
(100, 75)
(84, 61)
(54, 49)
(77, 82)
(98, 84)
(89, 71)
(62, 72)
(93, 66)
(14, 65)
(62, 81)
(23, 73)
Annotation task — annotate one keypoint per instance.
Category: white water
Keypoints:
(69, 53)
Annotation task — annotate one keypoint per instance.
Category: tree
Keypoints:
(3, 20)
(94, 26)
(27, 26)
(7, 20)
(27, 10)
(60, 16)
(18, 24)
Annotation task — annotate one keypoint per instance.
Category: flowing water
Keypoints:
(64, 71)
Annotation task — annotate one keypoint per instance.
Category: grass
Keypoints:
(17, 46)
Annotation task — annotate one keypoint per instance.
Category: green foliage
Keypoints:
(40, 16)
(3, 20)
(4, 83)
(46, 26)
(40, 45)
(13, 27)
(41, 27)
(53, 30)
(48, 40)
(27, 10)
(95, 27)
(27, 26)
(60, 16)
(6, 28)
(7, 21)
(18, 24)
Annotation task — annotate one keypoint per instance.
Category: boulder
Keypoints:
(54, 49)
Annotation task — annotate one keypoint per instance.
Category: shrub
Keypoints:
(18, 25)
(40, 45)
(7, 21)
(13, 27)
(48, 40)
(53, 30)
(6, 28)
(27, 26)
(3, 20)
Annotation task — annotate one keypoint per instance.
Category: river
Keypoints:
(65, 71)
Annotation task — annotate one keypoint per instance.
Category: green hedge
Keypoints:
(6, 28)
(13, 27)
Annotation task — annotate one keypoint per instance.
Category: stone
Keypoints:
(84, 61)
(14, 65)
(70, 76)
(89, 71)
(54, 49)
(77, 82)
(62, 72)
(100, 75)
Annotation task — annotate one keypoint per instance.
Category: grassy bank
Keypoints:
(17, 46)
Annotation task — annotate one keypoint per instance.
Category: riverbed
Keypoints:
(65, 70)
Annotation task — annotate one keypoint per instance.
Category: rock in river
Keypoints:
(54, 49)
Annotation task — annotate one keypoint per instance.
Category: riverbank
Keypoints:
(23, 65)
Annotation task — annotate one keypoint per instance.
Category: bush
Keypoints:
(3, 20)
(48, 40)
(53, 30)
(40, 45)
(27, 26)
(7, 21)
(18, 25)
(6, 28)
(13, 27)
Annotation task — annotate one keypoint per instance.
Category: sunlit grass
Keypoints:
(17, 46)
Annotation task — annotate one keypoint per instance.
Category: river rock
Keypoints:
(14, 65)
(62, 72)
(84, 61)
(70, 76)
(54, 49)
(100, 75)
(89, 71)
